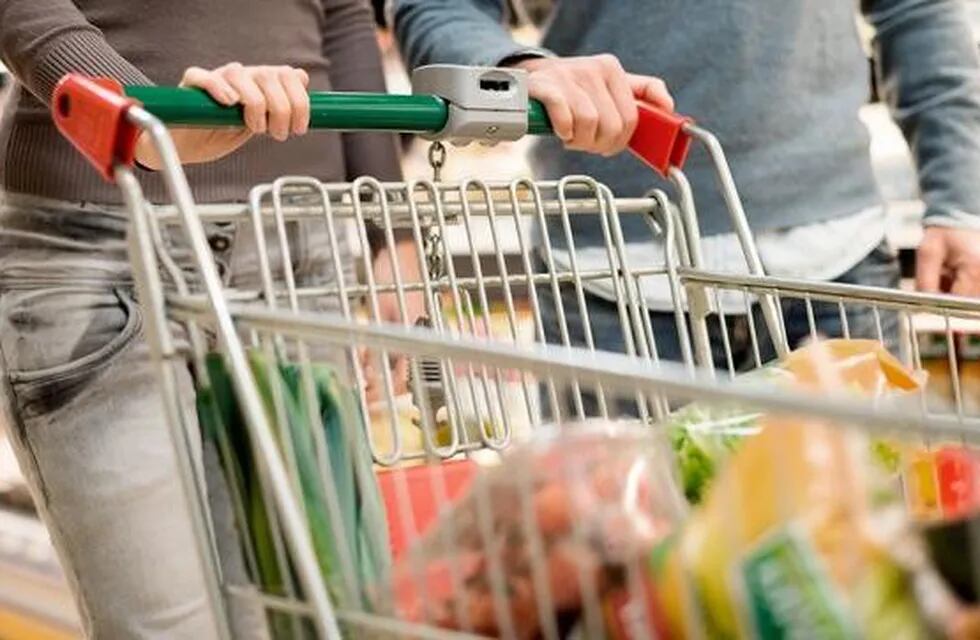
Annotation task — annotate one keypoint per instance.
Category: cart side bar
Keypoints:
(834, 291)
(256, 420)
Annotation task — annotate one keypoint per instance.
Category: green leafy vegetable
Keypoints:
(702, 437)
(354, 524)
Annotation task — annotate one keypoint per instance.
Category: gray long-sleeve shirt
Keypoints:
(779, 81)
(153, 41)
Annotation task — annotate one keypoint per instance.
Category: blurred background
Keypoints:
(33, 600)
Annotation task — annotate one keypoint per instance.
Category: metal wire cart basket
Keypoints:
(527, 484)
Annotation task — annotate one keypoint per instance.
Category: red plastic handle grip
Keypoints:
(660, 139)
(91, 113)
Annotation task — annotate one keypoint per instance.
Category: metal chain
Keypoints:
(437, 159)
(432, 244)
(432, 248)
(431, 238)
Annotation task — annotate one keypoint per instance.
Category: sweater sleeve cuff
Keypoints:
(497, 51)
(524, 53)
(951, 218)
(80, 51)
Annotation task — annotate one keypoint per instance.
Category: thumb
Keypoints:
(929, 262)
(651, 89)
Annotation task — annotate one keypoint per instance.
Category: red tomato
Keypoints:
(958, 472)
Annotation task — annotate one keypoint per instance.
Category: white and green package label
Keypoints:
(788, 594)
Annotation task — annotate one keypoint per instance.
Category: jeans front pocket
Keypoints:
(54, 341)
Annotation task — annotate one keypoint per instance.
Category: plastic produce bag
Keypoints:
(539, 537)
(703, 436)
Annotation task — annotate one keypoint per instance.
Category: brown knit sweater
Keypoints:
(153, 41)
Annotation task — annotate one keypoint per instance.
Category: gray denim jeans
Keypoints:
(80, 394)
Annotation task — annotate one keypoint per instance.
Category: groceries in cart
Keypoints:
(578, 531)
(937, 479)
(787, 544)
(704, 435)
(588, 533)
(396, 427)
(467, 404)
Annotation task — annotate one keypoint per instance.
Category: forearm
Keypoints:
(467, 32)
(42, 40)
(929, 72)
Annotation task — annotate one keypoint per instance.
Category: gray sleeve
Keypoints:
(929, 72)
(355, 65)
(350, 45)
(455, 32)
(42, 40)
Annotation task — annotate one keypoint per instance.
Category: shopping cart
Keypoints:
(471, 395)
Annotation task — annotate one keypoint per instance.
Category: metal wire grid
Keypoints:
(459, 288)
(166, 290)
(893, 316)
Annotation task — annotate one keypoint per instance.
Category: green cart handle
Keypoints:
(93, 114)
(328, 110)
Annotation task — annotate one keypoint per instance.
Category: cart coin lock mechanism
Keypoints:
(485, 105)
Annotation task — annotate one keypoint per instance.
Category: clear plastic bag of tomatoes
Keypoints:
(538, 540)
